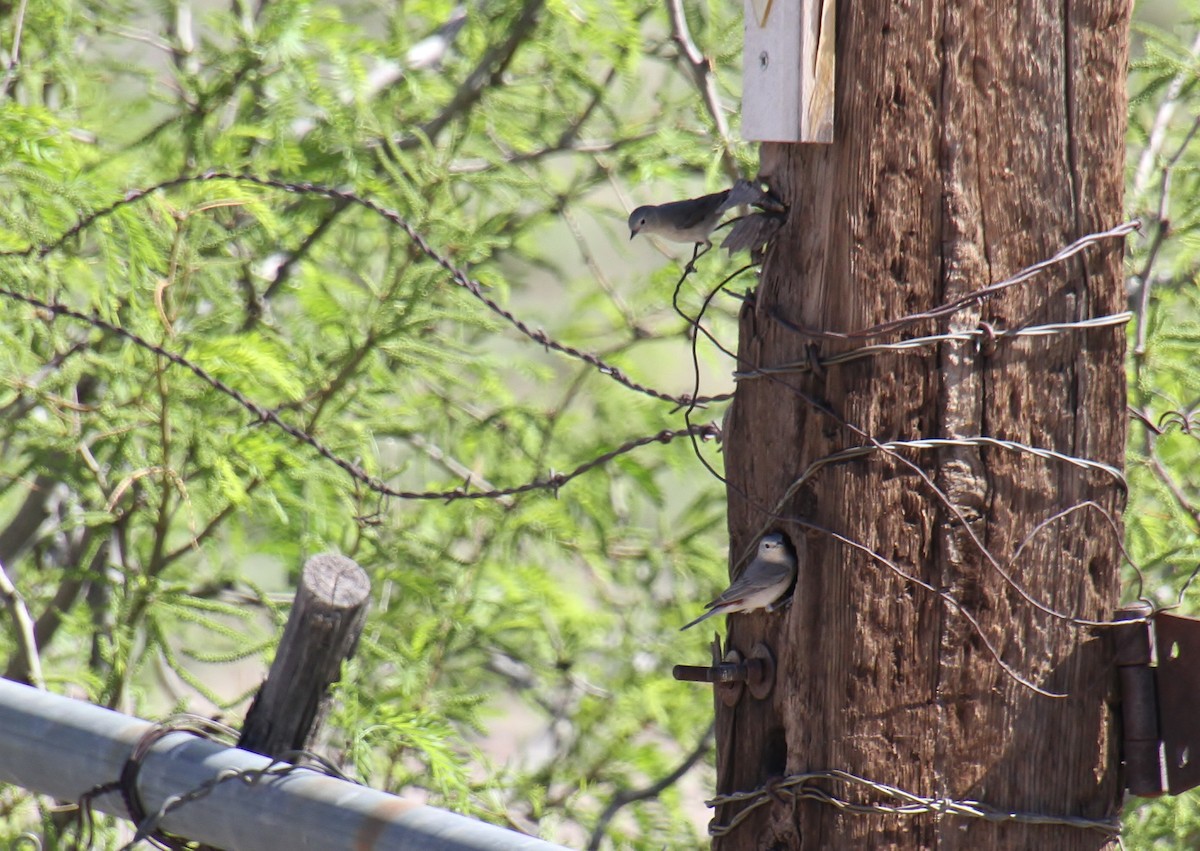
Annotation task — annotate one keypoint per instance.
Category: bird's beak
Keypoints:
(632, 234)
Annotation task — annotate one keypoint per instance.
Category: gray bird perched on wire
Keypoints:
(692, 220)
(761, 584)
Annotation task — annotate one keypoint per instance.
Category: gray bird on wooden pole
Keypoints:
(761, 584)
(691, 220)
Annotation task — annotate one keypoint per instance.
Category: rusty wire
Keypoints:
(985, 335)
(147, 824)
(1186, 420)
(970, 299)
(262, 414)
(457, 275)
(126, 784)
(773, 514)
(148, 827)
(697, 329)
(890, 800)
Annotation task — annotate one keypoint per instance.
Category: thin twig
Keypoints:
(1173, 487)
(1162, 120)
(26, 642)
(1162, 228)
(479, 165)
(14, 59)
(701, 70)
(470, 477)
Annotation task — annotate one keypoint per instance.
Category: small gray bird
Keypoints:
(761, 583)
(680, 221)
(691, 221)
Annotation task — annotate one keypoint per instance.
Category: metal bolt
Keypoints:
(757, 673)
(726, 672)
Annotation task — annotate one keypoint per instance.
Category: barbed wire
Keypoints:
(970, 299)
(1113, 527)
(457, 275)
(984, 336)
(1081, 463)
(148, 828)
(896, 801)
(1187, 420)
(126, 784)
(774, 515)
(992, 442)
(147, 824)
(262, 414)
(697, 329)
(941, 593)
(554, 481)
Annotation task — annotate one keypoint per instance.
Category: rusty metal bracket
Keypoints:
(1178, 644)
(730, 673)
(1139, 703)
(1159, 694)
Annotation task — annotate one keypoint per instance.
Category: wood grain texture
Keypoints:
(322, 631)
(972, 139)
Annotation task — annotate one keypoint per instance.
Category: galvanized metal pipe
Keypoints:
(61, 747)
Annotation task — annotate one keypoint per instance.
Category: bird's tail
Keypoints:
(703, 617)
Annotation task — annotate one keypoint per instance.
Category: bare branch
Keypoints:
(1162, 120)
(14, 56)
(486, 74)
(632, 796)
(26, 642)
(702, 76)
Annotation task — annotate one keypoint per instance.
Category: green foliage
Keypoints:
(175, 521)
(515, 663)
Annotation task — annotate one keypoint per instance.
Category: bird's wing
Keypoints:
(693, 211)
(743, 192)
(758, 577)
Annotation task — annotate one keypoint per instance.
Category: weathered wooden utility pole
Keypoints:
(972, 139)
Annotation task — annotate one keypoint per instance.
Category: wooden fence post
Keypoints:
(322, 631)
